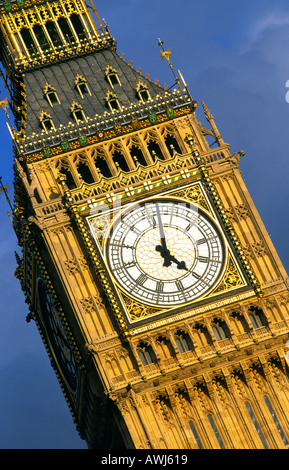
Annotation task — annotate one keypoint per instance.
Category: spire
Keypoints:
(210, 119)
(103, 29)
(166, 55)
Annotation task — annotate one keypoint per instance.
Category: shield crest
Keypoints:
(153, 118)
(100, 135)
(65, 145)
(82, 139)
(170, 113)
(135, 124)
(46, 151)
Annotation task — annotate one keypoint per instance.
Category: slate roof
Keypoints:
(92, 68)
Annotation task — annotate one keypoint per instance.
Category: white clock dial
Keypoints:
(57, 335)
(165, 252)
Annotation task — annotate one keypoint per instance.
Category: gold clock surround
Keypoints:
(230, 281)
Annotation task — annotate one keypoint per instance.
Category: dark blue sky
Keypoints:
(235, 57)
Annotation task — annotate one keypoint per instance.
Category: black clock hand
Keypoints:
(180, 264)
(165, 253)
(161, 229)
(168, 258)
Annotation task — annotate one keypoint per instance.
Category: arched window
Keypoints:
(66, 31)
(81, 85)
(68, 176)
(41, 38)
(172, 144)
(145, 354)
(112, 76)
(220, 329)
(203, 335)
(257, 427)
(216, 432)
(165, 347)
(53, 33)
(102, 166)
(50, 94)
(120, 161)
(28, 40)
(183, 341)
(85, 173)
(138, 156)
(142, 92)
(78, 26)
(155, 150)
(257, 317)
(46, 121)
(280, 430)
(240, 323)
(112, 101)
(196, 436)
(77, 112)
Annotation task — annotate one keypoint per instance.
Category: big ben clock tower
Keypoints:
(158, 294)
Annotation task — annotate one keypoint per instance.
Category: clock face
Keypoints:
(165, 252)
(57, 335)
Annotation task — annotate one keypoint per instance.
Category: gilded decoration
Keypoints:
(107, 134)
(100, 225)
(204, 362)
(232, 279)
(38, 14)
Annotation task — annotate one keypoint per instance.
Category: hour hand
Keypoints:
(180, 264)
(168, 258)
(165, 254)
(163, 250)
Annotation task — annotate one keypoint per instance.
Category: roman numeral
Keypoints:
(141, 279)
(160, 287)
(136, 230)
(197, 276)
(201, 241)
(203, 259)
(117, 244)
(179, 285)
(129, 264)
(152, 221)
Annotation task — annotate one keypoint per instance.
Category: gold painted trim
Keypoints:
(189, 313)
(230, 279)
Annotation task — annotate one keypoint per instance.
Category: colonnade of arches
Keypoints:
(107, 160)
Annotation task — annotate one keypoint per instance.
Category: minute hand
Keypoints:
(161, 229)
(165, 253)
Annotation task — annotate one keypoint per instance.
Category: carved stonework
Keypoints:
(166, 318)
(231, 279)
(193, 194)
(243, 211)
(72, 266)
(259, 248)
(89, 304)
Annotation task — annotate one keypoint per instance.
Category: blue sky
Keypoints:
(235, 57)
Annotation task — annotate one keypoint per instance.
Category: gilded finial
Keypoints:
(210, 119)
(166, 55)
(4, 106)
(207, 112)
